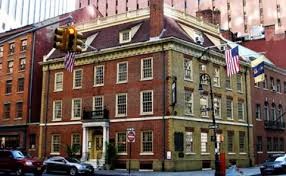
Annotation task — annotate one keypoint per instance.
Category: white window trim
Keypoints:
(220, 116)
(94, 74)
(72, 115)
(187, 79)
(93, 102)
(218, 83)
(192, 97)
(243, 113)
(72, 135)
(52, 144)
(207, 112)
(231, 118)
(121, 36)
(117, 77)
(55, 82)
(141, 103)
(116, 106)
(120, 153)
(74, 87)
(54, 115)
(149, 78)
(141, 145)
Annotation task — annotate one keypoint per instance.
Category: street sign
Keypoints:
(130, 135)
(213, 126)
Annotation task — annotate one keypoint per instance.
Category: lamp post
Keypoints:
(206, 77)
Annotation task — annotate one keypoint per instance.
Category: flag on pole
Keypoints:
(232, 61)
(69, 61)
(258, 69)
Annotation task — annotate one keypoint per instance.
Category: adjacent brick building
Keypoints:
(126, 82)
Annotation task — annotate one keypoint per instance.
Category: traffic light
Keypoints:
(60, 39)
(75, 40)
(79, 42)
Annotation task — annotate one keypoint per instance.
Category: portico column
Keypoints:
(104, 142)
(84, 144)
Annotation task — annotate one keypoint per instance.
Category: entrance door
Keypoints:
(98, 141)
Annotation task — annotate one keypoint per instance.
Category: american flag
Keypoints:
(232, 61)
(69, 61)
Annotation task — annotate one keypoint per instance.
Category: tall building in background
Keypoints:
(17, 13)
(238, 15)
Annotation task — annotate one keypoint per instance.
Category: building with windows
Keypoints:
(238, 16)
(144, 74)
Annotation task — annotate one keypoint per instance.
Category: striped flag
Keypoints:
(69, 61)
(232, 61)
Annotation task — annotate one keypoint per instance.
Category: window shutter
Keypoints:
(179, 141)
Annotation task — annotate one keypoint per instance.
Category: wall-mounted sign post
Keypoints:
(130, 139)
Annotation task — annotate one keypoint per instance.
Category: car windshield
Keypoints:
(280, 159)
(72, 160)
(18, 154)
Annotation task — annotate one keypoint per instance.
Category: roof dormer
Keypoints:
(126, 35)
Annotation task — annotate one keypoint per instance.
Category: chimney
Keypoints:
(269, 32)
(209, 16)
(156, 17)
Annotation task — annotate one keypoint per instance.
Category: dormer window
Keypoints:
(125, 36)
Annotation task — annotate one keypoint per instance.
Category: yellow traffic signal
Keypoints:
(71, 38)
(60, 38)
(79, 42)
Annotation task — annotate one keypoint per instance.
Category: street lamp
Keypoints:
(206, 77)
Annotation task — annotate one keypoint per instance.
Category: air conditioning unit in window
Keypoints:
(199, 39)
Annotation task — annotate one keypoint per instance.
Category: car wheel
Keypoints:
(73, 171)
(19, 171)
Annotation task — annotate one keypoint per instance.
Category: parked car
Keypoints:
(274, 165)
(16, 161)
(67, 165)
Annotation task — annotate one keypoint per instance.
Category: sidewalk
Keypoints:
(246, 171)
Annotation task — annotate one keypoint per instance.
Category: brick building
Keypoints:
(126, 83)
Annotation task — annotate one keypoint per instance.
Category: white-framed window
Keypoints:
(146, 102)
(217, 107)
(228, 83)
(239, 82)
(230, 141)
(57, 110)
(55, 144)
(240, 110)
(10, 66)
(241, 141)
(229, 107)
(147, 68)
(258, 111)
(189, 142)
(75, 142)
(188, 69)
(23, 45)
(1, 51)
(77, 79)
(147, 141)
(188, 102)
(22, 64)
(58, 81)
(266, 112)
(216, 77)
(204, 142)
(204, 105)
(203, 69)
(98, 103)
(122, 72)
(125, 36)
(99, 75)
(121, 143)
(121, 105)
(76, 108)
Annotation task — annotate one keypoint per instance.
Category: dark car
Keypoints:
(16, 161)
(274, 165)
(67, 165)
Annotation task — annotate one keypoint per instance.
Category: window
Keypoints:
(20, 87)
(75, 142)
(189, 142)
(125, 36)
(10, 66)
(259, 144)
(146, 99)
(273, 112)
(258, 111)
(204, 105)
(11, 48)
(204, 142)
(56, 142)
(272, 84)
(19, 110)
(57, 110)
(121, 142)
(203, 69)
(121, 105)
(284, 87)
(122, 72)
(266, 111)
(265, 83)
(99, 75)
(1, 51)
(229, 107)
(98, 104)
(227, 83)
(32, 144)
(217, 107)
(239, 83)
(22, 64)
(147, 69)
(23, 45)
(76, 108)
(269, 144)
(216, 77)
(188, 102)
(219, 141)
(7, 109)
(188, 69)
(240, 110)
(179, 141)
(230, 136)
(279, 113)
(278, 86)
(77, 78)
(58, 81)
(281, 144)
(275, 144)
(8, 87)
(147, 142)
(241, 141)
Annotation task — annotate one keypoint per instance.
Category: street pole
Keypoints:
(208, 78)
